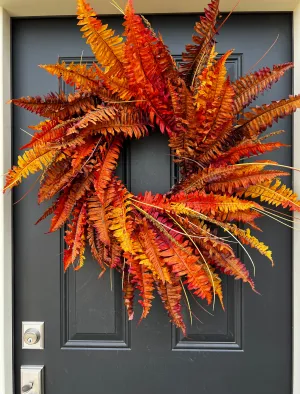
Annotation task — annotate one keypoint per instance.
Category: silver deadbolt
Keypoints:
(32, 336)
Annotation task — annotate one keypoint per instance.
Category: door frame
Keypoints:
(6, 250)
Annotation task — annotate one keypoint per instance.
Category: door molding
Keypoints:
(6, 267)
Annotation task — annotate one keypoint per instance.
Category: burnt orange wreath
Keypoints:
(181, 239)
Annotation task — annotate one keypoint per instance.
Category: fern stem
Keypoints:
(226, 230)
(274, 218)
(187, 301)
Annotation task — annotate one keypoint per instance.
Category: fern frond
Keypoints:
(143, 280)
(130, 122)
(146, 62)
(83, 152)
(97, 248)
(227, 179)
(51, 132)
(171, 298)
(108, 165)
(274, 193)
(67, 201)
(197, 55)
(128, 291)
(263, 117)
(95, 117)
(120, 222)
(248, 88)
(248, 239)
(49, 211)
(149, 242)
(32, 161)
(78, 75)
(209, 203)
(99, 219)
(57, 106)
(248, 149)
(107, 47)
(75, 238)
(58, 176)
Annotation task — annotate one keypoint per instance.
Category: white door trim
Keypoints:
(296, 238)
(6, 269)
(6, 301)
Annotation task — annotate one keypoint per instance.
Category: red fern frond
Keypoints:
(143, 280)
(196, 56)
(75, 238)
(109, 163)
(248, 149)
(171, 298)
(57, 106)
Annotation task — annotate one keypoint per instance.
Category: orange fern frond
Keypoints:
(107, 47)
(49, 211)
(247, 88)
(96, 116)
(97, 248)
(83, 152)
(58, 175)
(144, 54)
(128, 291)
(209, 203)
(151, 250)
(98, 217)
(51, 132)
(253, 123)
(130, 122)
(66, 203)
(228, 178)
(78, 75)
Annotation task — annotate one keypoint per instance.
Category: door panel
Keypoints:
(90, 346)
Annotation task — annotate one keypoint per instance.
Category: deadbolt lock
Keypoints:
(33, 335)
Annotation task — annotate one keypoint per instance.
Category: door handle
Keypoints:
(32, 379)
(27, 387)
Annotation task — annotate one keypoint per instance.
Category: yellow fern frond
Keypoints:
(32, 161)
(248, 239)
(276, 194)
(119, 219)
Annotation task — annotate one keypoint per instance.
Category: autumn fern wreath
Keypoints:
(180, 240)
